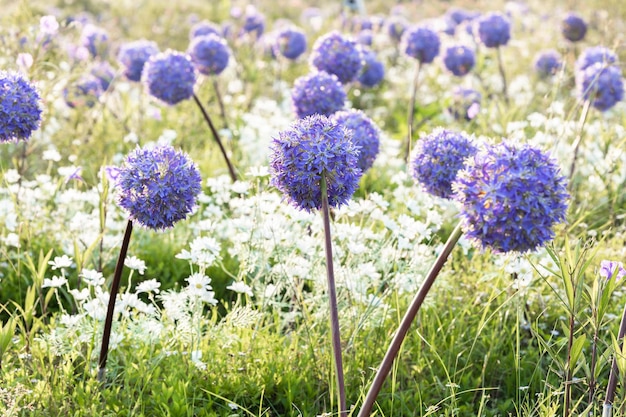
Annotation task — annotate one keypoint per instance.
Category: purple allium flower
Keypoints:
(511, 197)
(601, 84)
(169, 76)
(254, 22)
(20, 107)
(459, 60)
(309, 148)
(204, 27)
(365, 37)
(573, 27)
(548, 63)
(337, 55)
(104, 73)
(458, 15)
(396, 26)
(318, 92)
(95, 39)
(158, 186)
(133, 55)
(421, 43)
(438, 158)
(209, 54)
(365, 135)
(84, 92)
(593, 55)
(608, 268)
(291, 42)
(372, 71)
(465, 103)
(493, 29)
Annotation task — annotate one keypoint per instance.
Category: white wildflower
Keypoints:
(135, 263)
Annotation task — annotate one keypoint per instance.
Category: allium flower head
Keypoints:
(372, 71)
(158, 186)
(204, 27)
(254, 22)
(169, 76)
(601, 84)
(133, 56)
(594, 55)
(608, 268)
(95, 39)
(365, 135)
(104, 73)
(459, 60)
(312, 147)
(548, 63)
(465, 103)
(573, 27)
(438, 158)
(84, 92)
(336, 54)
(511, 197)
(209, 54)
(291, 42)
(421, 43)
(458, 15)
(365, 37)
(396, 26)
(318, 92)
(20, 107)
(493, 29)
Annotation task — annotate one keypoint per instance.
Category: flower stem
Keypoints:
(106, 335)
(411, 115)
(579, 137)
(403, 329)
(505, 92)
(610, 389)
(216, 136)
(332, 298)
(220, 102)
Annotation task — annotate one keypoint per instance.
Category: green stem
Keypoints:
(411, 114)
(220, 102)
(579, 137)
(610, 390)
(405, 324)
(505, 92)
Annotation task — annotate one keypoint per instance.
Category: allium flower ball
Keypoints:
(318, 92)
(312, 147)
(291, 43)
(438, 158)
(169, 76)
(573, 27)
(204, 27)
(365, 135)
(465, 103)
(336, 54)
(421, 43)
(158, 186)
(254, 22)
(209, 54)
(548, 63)
(133, 56)
(104, 73)
(511, 197)
(372, 71)
(593, 55)
(20, 107)
(459, 60)
(493, 29)
(95, 39)
(83, 92)
(396, 26)
(601, 84)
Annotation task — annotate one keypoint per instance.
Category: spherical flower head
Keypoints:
(548, 63)
(158, 186)
(254, 22)
(573, 27)
(312, 147)
(169, 76)
(372, 71)
(209, 54)
(104, 73)
(594, 55)
(365, 37)
(318, 92)
(133, 56)
(84, 92)
(511, 197)
(601, 84)
(365, 135)
(438, 158)
(459, 60)
(396, 26)
(95, 39)
(458, 15)
(493, 29)
(204, 27)
(465, 103)
(20, 107)
(421, 43)
(291, 43)
(336, 54)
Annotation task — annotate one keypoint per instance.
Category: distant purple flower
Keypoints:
(608, 268)
(254, 22)
(365, 135)
(104, 73)
(601, 84)
(204, 27)
(48, 25)
(396, 26)
(459, 60)
(372, 71)
(548, 63)
(83, 92)
(24, 61)
(20, 107)
(458, 15)
(209, 54)
(493, 30)
(309, 148)
(95, 39)
(291, 42)
(158, 186)
(511, 196)
(317, 92)
(421, 43)
(365, 37)
(133, 56)
(593, 55)
(336, 54)
(438, 158)
(169, 76)
(465, 103)
(573, 27)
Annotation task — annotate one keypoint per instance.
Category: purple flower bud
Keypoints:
(169, 76)
(318, 92)
(209, 54)
(573, 27)
(421, 43)
(336, 54)
(459, 60)
(133, 56)
(20, 107)
(365, 135)
(493, 30)
(601, 84)
(372, 71)
(548, 63)
(291, 42)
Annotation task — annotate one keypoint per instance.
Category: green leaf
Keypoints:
(577, 348)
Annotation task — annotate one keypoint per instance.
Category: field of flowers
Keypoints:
(259, 208)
